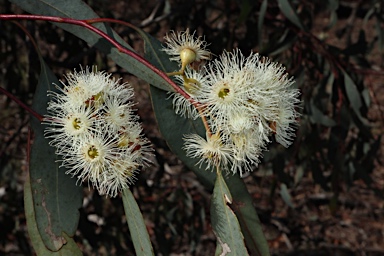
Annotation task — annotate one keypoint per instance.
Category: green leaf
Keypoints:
(318, 117)
(285, 41)
(230, 240)
(69, 248)
(56, 197)
(247, 216)
(290, 13)
(380, 33)
(260, 22)
(285, 195)
(77, 9)
(137, 227)
(352, 94)
(173, 128)
(333, 5)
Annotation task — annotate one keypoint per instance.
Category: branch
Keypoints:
(20, 103)
(87, 24)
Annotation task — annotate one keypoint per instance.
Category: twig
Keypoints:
(20, 103)
(87, 24)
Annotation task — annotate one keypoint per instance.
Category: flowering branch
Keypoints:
(86, 24)
(196, 104)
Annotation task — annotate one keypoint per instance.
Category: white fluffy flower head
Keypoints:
(212, 150)
(93, 127)
(245, 100)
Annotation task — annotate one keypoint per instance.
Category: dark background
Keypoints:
(333, 172)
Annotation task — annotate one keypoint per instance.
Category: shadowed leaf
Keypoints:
(56, 197)
(352, 93)
(290, 13)
(318, 117)
(77, 9)
(69, 248)
(224, 222)
(137, 228)
(260, 22)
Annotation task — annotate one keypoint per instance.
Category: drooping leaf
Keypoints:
(137, 227)
(318, 117)
(77, 9)
(69, 248)
(260, 22)
(173, 128)
(352, 94)
(285, 195)
(230, 240)
(56, 197)
(285, 42)
(333, 6)
(290, 13)
(380, 33)
(247, 216)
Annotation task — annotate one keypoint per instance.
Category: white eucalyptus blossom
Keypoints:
(245, 101)
(212, 150)
(191, 83)
(185, 48)
(91, 124)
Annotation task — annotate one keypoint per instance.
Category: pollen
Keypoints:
(93, 152)
(76, 123)
(223, 93)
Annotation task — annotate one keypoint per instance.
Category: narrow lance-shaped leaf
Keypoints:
(137, 228)
(230, 240)
(70, 248)
(318, 117)
(77, 9)
(352, 94)
(286, 195)
(56, 197)
(290, 13)
(260, 22)
(247, 216)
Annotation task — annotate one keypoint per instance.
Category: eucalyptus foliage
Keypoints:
(334, 106)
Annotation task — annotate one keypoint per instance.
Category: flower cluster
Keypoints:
(243, 100)
(93, 127)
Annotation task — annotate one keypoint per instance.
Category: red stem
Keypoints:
(20, 103)
(84, 23)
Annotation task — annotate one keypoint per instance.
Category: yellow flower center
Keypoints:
(76, 123)
(95, 100)
(124, 141)
(93, 152)
(191, 85)
(223, 93)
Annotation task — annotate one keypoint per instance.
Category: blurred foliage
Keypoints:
(330, 47)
